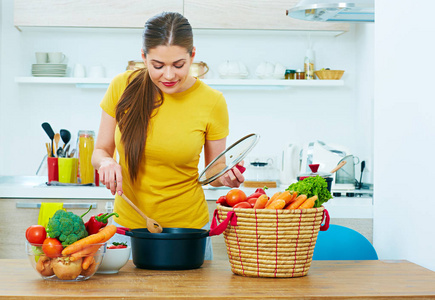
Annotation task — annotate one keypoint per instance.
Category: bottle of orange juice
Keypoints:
(86, 148)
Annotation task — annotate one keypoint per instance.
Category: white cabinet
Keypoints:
(202, 14)
(250, 14)
(95, 13)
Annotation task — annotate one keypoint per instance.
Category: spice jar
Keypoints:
(85, 146)
(290, 74)
(300, 74)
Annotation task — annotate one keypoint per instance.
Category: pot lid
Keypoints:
(228, 158)
(334, 11)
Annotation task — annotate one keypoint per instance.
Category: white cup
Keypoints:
(97, 72)
(56, 57)
(41, 57)
(79, 71)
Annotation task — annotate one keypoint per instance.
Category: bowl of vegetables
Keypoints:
(116, 256)
(67, 249)
(47, 259)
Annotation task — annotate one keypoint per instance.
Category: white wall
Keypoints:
(404, 138)
(278, 115)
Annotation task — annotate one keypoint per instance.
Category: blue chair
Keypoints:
(342, 243)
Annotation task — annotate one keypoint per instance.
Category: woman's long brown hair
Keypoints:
(142, 97)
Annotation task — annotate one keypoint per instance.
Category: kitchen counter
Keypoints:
(214, 280)
(35, 187)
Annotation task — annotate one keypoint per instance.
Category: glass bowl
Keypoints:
(65, 268)
(114, 260)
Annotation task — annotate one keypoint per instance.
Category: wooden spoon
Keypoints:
(56, 140)
(338, 166)
(152, 225)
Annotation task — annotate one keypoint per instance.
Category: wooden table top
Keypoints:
(214, 280)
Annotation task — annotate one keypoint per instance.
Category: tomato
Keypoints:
(252, 201)
(222, 200)
(243, 204)
(52, 247)
(36, 234)
(235, 196)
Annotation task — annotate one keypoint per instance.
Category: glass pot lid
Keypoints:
(228, 158)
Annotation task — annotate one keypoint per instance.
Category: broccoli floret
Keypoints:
(67, 227)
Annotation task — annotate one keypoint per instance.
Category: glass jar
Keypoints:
(290, 74)
(300, 74)
(85, 144)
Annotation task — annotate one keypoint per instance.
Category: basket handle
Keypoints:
(216, 229)
(325, 217)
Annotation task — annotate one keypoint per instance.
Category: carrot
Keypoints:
(101, 236)
(299, 200)
(287, 196)
(309, 203)
(87, 261)
(273, 198)
(261, 202)
(277, 204)
(90, 250)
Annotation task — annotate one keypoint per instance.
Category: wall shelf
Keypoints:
(228, 83)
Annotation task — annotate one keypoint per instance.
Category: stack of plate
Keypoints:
(49, 70)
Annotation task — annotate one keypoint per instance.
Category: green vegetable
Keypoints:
(37, 251)
(311, 186)
(66, 227)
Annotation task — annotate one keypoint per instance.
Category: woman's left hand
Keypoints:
(232, 178)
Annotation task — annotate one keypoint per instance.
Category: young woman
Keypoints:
(158, 119)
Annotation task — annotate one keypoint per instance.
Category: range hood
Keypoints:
(334, 10)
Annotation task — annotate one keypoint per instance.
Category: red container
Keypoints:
(53, 169)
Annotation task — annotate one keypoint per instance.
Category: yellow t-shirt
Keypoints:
(167, 188)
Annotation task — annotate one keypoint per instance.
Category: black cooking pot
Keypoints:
(173, 248)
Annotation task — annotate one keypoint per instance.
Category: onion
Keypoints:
(43, 266)
(66, 269)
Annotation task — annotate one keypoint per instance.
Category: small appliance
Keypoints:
(290, 163)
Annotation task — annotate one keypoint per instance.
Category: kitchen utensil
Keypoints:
(152, 225)
(60, 152)
(49, 131)
(73, 151)
(56, 140)
(261, 172)
(228, 158)
(66, 137)
(339, 166)
(363, 165)
(47, 145)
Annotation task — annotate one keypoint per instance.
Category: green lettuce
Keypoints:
(311, 186)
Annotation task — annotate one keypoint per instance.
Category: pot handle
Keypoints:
(218, 229)
(325, 217)
(124, 231)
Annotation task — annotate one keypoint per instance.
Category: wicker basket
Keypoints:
(329, 74)
(271, 243)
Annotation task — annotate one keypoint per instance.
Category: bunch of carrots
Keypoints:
(259, 200)
(86, 247)
(285, 200)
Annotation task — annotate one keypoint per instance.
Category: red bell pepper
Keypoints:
(95, 223)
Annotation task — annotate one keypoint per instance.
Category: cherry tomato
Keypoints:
(235, 196)
(52, 247)
(36, 234)
(243, 204)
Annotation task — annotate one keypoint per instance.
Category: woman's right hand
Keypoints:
(111, 175)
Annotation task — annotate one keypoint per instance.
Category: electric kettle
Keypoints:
(290, 164)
